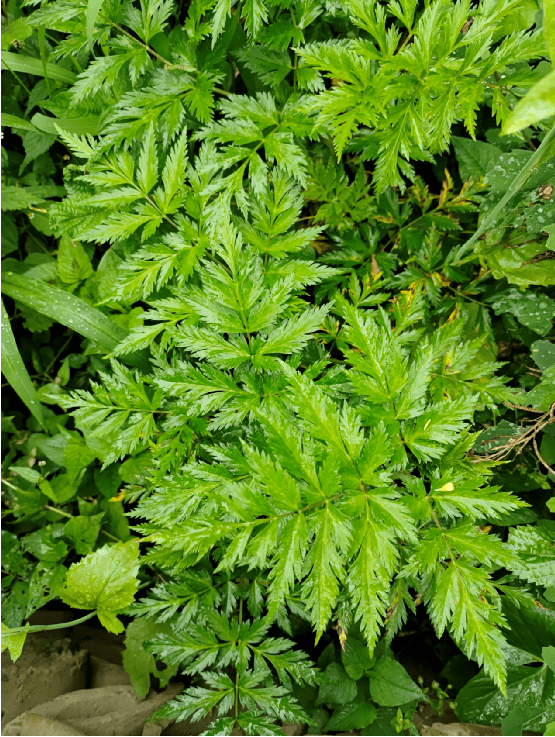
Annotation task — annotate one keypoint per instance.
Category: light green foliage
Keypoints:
(439, 67)
(258, 323)
(334, 519)
(138, 663)
(105, 581)
(537, 105)
(122, 406)
(14, 642)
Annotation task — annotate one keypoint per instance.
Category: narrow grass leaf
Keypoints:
(15, 372)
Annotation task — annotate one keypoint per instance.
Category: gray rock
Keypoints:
(152, 729)
(458, 729)
(103, 673)
(109, 711)
(47, 668)
(35, 724)
(293, 730)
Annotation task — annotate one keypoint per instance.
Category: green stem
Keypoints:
(44, 627)
(237, 672)
(514, 187)
(58, 511)
(66, 514)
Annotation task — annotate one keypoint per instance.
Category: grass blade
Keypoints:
(93, 9)
(68, 310)
(30, 65)
(41, 31)
(78, 126)
(15, 372)
(14, 122)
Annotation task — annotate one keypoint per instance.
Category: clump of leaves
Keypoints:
(287, 338)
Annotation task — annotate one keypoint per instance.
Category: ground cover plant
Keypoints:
(277, 336)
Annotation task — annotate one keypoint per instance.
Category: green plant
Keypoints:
(292, 274)
(361, 691)
(440, 694)
(104, 581)
(531, 642)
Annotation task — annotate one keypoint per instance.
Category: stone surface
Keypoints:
(103, 673)
(151, 729)
(155, 728)
(459, 729)
(46, 669)
(109, 711)
(35, 724)
(293, 730)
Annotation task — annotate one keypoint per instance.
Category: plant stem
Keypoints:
(44, 627)
(514, 187)
(237, 671)
(58, 511)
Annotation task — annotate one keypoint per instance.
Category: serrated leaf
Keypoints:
(536, 556)
(356, 659)
(480, 701)
(106, 581)
(335, 686)
(147, 172)
(391, 685)
(82, 532)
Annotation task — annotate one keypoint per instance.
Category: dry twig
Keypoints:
(519, 442)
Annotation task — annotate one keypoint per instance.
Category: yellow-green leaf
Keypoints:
(549, 26)
(14, 122)
(105, 580)
(536, 105)
(18, 30)
(79, 126)
(14, 642)
(74, 265)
